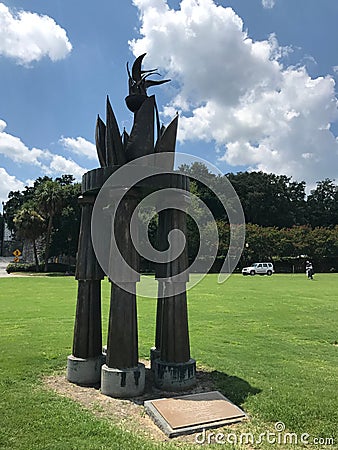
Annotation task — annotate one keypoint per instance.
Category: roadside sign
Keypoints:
(17, 252)
(16, 259)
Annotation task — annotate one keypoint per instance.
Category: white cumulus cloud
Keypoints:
(234, 92)
(79, 146)
(49, 163)
(12, 147)
(268, 3)
(61, 165)
(28, 37)
(8, 183)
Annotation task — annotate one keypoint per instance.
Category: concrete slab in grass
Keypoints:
(192, 413)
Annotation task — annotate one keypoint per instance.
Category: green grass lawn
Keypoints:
(269, 342)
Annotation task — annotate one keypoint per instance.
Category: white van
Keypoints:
(265, 268)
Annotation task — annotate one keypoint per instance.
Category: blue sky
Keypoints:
(253, 81)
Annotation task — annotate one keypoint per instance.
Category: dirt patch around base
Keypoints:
(127, 414)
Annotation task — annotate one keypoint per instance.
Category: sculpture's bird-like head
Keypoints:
(138, 83)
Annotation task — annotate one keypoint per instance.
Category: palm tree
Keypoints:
(30, 225)
(49, 197)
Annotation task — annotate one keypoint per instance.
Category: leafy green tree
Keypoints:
(293, 242)
(66, 224)
(269, 199)
(30, 225)
(2, 232)
(322, 204)
(261, 243)
(49, 197)
(16, 199)
(56, 201)
(322, 242)
(206, 190)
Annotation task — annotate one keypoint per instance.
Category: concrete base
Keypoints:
(85, 372)
(175, 376)
(154, 354)
(123, 383)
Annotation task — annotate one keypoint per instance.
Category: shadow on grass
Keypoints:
(235, 389)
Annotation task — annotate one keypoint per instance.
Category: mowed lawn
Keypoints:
(270, 343)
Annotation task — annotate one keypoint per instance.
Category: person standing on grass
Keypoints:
(309, 270)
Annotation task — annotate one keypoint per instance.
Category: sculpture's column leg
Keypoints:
(123, 375)
(174, 370)
(161, 274)
(155, 351)
(122, 330)
(175, 345)
(84, 365)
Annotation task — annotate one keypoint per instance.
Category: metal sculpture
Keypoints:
(119, 372)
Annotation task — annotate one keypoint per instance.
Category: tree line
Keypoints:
(48, 210)
(282, 221)
(269, 200)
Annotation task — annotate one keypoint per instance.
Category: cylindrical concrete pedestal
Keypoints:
(175, 376)
(86, 372)
(123, 383)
